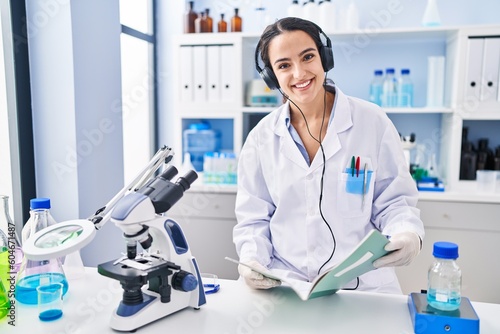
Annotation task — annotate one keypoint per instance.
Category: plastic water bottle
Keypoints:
(389, 91)
(405, 89)
(294, 10)
(444, 278)
(376, 87)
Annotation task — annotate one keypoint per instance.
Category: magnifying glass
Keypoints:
(59, 240)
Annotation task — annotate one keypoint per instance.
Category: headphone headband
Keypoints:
(325, 52)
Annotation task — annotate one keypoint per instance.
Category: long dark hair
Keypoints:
(284, 25)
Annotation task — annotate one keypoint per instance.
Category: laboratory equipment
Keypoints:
(4, 301)
(199, 138)
(294, 10)
(10, 251)
(210, 21)
(222, 25)
(189, 18)
(161, 280)
(431, 16)
(376, 87)
(444, 278)
(435, 81)
(34, 273)
(35, 204)
(405, 89)
(201, 23)
(259, 95)
(50, 301)
(236, 21)
(328, 16)
(428, 320)
(389, 89)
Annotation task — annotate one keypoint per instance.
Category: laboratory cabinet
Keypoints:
(215, 69)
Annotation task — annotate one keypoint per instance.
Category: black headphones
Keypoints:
(267, 74)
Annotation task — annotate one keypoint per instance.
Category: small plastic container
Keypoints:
(444, 278)
(199, 139)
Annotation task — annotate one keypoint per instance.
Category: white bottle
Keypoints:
(310, 11)
(352, 17)
(431, 15)
(294, 10)
(327, 16)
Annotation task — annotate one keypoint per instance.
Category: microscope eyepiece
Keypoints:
(169, 173)
(186, 180)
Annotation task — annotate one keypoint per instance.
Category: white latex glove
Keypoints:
(404, 246)
(255, 280)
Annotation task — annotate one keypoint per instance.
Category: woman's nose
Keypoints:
(298, 72)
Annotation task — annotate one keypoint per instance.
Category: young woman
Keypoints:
(302, 203)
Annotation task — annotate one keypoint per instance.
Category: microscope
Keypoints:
(164, 278)
(161, 279)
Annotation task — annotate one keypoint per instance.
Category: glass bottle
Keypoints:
(37, 203)
(189, 18)
(236, 21)
(222, 25)
(11, 254)
(35, 273)
(200, 24)
(210, 21)
(444, 278)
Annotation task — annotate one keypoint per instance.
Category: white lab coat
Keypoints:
(277, 205)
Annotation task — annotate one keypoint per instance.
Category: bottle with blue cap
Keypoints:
(444, 278)
(35, 273)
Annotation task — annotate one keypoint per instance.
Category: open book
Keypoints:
(357, 263)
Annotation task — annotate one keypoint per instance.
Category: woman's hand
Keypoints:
(404, 247)
(254, 279)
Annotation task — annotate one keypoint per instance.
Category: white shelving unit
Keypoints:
(451, 42)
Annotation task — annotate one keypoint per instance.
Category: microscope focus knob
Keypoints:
(184, 281)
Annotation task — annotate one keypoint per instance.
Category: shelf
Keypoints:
(425, 110)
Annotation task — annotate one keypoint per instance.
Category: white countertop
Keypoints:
(236, 308)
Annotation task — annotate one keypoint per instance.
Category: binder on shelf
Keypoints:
(186, 73)
(200, 73)
(227, 71)
(491, 66)
(474, 68)
(213, 73)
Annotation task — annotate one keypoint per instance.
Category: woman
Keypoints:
(300, 207)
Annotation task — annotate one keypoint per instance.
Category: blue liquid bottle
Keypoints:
(35, 273)
(390, 93)
(444, 278)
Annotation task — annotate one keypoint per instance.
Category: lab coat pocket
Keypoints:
(354, 196)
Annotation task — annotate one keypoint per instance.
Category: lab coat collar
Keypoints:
(342, 121)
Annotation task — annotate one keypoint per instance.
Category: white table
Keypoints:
(91, 300)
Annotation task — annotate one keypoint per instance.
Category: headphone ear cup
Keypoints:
(327, 58)
(269, 78)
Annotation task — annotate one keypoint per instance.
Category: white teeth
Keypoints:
(303, 84)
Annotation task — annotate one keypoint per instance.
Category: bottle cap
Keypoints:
(445, 250)
(379, 72)
(40, 203)
(389, 71)
(405, 71)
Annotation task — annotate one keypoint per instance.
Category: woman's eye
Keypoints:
(282, 66)
(308, 56)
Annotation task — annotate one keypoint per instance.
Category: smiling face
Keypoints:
(296, 62)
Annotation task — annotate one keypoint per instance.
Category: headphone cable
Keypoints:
(319, 141)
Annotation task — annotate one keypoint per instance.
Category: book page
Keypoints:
(356, 264)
